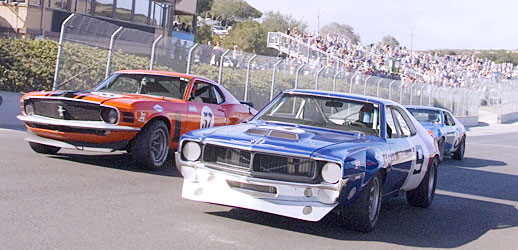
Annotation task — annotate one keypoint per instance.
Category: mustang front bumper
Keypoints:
(297, 200)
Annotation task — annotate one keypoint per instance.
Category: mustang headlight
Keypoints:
(191, 151)
(331, 172)
(110, 115)
(29, 108)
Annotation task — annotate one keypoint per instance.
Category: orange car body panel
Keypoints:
(181, 116)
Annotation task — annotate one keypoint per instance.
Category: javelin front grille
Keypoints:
(67, 109)
(261, 165)
(227, 159)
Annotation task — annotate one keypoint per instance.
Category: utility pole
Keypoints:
(411, 40)
(318, 22)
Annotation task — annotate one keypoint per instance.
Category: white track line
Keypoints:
(479, 198)
(492, 145)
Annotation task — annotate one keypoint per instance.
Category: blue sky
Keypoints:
(435, 24)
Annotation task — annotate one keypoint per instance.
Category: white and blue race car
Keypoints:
(449, 132)
(310, 152)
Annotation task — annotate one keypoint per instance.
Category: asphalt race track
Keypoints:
(82, 200)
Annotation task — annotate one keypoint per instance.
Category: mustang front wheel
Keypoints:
(151, 146)
(44, 149)
(363, 214)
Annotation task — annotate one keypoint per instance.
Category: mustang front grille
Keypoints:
(230, 159)
(66, 109)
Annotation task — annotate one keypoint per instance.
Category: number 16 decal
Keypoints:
(419, 159)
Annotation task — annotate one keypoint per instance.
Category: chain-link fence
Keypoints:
(91, 49)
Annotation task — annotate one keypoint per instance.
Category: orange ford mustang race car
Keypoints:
(140, 111)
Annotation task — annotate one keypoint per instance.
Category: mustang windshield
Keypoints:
(324, 112)
(425, 115)
(169, 86)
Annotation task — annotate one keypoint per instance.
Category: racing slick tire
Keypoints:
(150, 148)
(459, 153)
(44, 149)
(363, 214)
(423, 195)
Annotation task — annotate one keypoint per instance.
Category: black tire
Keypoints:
(150, 148)
(423, 195)
(459, 153)
(44, 149)
(363, 214)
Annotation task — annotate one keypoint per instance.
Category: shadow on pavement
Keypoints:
(449, 222)
(470, 162)
(120, 161)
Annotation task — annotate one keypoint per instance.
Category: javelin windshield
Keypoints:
(324, 112)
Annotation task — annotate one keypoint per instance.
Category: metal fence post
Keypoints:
(421, 95)
(430, 90)
(365, 86)
(273, 77)
(153, 47)
(297, 74)
(189, 57)
(317, 76)
(109, 62)
(390, 88)
(401, 93)
(334, 79)
(220, 75)
(247, 81)
(351, 83)
(60, 48)
(412, 94)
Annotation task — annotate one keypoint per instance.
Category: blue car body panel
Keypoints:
(402, 162)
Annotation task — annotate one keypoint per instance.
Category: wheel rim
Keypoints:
(158, 147)
(374, 196)
(431, 180)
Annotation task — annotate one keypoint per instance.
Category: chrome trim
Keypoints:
(75, 123)
(61, 98)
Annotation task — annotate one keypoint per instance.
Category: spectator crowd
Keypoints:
(384, 60)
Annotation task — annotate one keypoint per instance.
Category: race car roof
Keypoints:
(164, 73)
(342, 95)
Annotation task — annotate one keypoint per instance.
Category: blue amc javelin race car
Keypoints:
(445, 128)
(308, 153)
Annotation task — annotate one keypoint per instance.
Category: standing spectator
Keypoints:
(217, 51)
(206, 53)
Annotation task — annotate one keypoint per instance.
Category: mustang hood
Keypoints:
(100, 97)
(302, 141)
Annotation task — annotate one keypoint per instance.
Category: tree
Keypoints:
(233, 10)
(340, 29)
(390, 40)
(275, 21)
(204, 7)
(249, 36)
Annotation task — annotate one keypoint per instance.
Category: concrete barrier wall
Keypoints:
(9, 109)
(469, 121)
(508, 118)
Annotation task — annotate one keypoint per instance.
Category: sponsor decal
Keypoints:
(158, 108)
(192, 108)
(109, 95)
(207, 118)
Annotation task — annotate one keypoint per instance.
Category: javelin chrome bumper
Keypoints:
(75, 124)
(304, 201)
